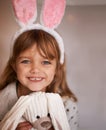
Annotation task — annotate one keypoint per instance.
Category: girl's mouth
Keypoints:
(35, 79)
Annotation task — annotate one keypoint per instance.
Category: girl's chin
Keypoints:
(37, 90)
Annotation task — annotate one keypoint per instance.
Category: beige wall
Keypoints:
(85, 44)
(84, 33)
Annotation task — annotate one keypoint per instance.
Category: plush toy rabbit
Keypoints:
(41, 109)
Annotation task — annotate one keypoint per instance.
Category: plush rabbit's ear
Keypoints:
(57, 113)
(25, 11)
(52, 13)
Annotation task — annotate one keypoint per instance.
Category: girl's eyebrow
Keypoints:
(22, 57)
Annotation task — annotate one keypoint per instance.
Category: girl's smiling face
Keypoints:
(34, 72)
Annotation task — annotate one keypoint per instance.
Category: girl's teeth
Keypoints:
(35, 79)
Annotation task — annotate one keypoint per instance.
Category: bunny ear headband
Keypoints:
(51, 16)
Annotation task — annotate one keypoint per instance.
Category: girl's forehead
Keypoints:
(46, 51)
(30, 51)
(33, 50)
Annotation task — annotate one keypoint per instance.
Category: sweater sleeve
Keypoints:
(8, 98)
(72, 113)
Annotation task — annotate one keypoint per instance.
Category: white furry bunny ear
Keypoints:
(52, 13)
(25, 11)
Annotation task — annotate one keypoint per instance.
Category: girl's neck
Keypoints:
(22, 91)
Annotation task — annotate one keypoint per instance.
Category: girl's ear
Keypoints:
(25, 11)
(52, 13)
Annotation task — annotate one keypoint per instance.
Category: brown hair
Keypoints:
(47, 44)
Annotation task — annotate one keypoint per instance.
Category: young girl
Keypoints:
(35, 66)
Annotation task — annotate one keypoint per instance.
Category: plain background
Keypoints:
(83, 29)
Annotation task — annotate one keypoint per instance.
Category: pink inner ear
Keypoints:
(53, 12)
(24, 10)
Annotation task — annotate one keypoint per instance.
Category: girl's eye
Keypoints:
(46, 62)
(25, 61)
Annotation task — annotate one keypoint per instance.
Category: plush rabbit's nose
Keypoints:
(46, 124)
(43, 123)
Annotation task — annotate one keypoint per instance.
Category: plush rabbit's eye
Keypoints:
(37, 117)
(48, 114)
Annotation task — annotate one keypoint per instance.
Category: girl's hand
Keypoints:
(24, 126)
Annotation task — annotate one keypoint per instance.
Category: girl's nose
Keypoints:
(35, 68)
